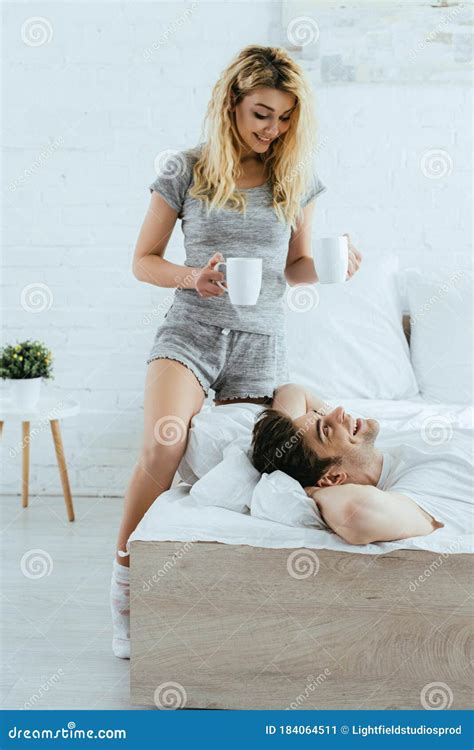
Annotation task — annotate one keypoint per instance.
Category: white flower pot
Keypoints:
(25, 392)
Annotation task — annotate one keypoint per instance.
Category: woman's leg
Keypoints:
(173, 395)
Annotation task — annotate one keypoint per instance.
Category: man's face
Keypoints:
(339, 434)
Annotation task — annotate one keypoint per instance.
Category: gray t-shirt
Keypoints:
(259, 234)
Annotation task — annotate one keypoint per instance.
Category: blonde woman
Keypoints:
(247, 190)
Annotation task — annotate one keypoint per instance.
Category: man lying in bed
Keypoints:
(361, 493)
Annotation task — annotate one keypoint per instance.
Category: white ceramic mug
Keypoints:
(243, 279)
(332, 259)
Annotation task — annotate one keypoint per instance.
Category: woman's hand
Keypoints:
(205, 281)
(355, 258)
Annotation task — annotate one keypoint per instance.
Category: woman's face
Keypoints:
(262, 116)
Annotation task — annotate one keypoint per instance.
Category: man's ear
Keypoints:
(332, 478)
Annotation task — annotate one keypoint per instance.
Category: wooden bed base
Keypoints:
(237, 627)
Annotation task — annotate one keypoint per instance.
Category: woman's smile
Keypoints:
(262, 139)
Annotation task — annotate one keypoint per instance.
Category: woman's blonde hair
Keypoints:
(289, 161)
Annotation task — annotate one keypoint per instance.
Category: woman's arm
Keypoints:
(148, 262)
(299, 262)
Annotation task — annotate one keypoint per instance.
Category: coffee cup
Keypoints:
(332, 259)
(243, 279)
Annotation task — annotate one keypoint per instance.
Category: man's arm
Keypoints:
(295, 400)
(362, 514)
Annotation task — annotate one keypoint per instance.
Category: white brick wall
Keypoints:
(86, 115)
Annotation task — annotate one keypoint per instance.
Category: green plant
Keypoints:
(26, 359)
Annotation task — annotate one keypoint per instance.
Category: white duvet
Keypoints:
(236, 514)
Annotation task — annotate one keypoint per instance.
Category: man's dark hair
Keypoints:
(278, 444)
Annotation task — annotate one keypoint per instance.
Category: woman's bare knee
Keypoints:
(158, 456)
(161, 462)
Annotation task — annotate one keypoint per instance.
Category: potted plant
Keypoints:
(23, 365)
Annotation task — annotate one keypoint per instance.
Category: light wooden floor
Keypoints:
(56, 629)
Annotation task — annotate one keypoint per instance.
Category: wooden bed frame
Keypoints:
(220, 626)
(229, 627)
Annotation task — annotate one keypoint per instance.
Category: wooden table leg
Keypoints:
(25, 450)
(58, 445)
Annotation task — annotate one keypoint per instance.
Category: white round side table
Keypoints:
(48, 409)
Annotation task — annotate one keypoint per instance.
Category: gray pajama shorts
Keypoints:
(235, 364)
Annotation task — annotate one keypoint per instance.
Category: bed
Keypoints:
(235, 611)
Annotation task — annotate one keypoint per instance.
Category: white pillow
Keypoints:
(230, 483)
(347, 340)
(211, 431)
(441, 312)
(280, 498)
(235, 484)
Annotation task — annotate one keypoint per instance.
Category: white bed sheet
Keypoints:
(176, 516)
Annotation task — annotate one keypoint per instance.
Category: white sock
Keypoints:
(120, 606)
